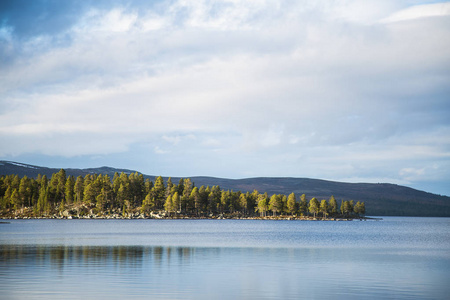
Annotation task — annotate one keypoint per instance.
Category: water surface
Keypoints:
(397, 258)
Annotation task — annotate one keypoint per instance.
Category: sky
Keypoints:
(353, 91)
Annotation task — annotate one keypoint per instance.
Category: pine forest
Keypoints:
(132, 196)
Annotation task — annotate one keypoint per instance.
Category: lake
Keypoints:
(396, 258)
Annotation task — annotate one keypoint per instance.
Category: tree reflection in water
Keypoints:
(92, 256)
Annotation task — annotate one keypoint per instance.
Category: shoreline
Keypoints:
(91, 213)
(140, 217)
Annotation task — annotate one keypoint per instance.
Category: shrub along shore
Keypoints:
(129, 196)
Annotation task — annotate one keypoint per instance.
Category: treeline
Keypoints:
(131, 193)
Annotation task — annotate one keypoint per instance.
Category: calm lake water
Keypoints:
(397, 258)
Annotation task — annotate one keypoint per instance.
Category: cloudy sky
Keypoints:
(343, 90)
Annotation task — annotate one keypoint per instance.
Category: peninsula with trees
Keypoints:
(133, 196)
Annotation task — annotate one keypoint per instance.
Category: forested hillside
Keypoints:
(380, 199)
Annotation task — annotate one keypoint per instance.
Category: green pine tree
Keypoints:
(324, 208)
(69, 189)
(291, 204)
(303, 205)
(275, 204)
(332, 206)
(313, 206)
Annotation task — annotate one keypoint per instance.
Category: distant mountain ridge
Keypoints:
(381, 199)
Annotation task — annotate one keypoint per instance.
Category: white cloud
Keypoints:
(411, 173)
(158, 150)
(212, 142)
(314, 88)
(152, 22)
(6, 33)
(176, 139)
(172, 139)
(117, 20)
(418, 12)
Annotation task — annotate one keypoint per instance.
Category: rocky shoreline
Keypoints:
(180, 217)
(83, 212)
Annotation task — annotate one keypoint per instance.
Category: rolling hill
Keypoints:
(381, 199)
